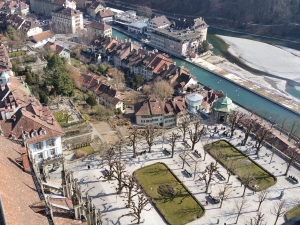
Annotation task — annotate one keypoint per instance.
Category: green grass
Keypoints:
(243, 164)
(75, 62)
(61, 116)
(15, 54)
(179, 209)
(293, 212)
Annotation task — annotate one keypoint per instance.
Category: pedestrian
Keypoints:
(241, 184)
(89, 167)
(206, 202)
(218, 221)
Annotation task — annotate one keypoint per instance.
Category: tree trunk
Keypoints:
(271, 157)
(245, 187)
(229, 174)
(183, 161)
(276, 219)
(149, 148)
(288, 167)
(246, 138)
(172, 152)
(134, 150)
(193, 145)
(204, 156)
(259, 206)
(221, 203)
(237, 218)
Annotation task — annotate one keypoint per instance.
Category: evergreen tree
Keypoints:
(11, 33)
(91, 100)
(58, 75)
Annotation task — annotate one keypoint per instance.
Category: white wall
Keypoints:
(34, 31)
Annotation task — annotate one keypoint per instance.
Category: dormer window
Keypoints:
(42, 132)
(26, 136)
(34, 134)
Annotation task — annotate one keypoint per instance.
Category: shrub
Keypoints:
(79, 154)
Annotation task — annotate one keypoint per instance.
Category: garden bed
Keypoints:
(179, 206)
(61, 116)
(263, 178)
(293, 212)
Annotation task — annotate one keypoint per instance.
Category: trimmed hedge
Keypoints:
(72, 133)
(66, 125)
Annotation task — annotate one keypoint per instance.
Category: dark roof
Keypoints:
(94, 5)
(105, 13)
(67, 11)
(99, 26)
(160, 21)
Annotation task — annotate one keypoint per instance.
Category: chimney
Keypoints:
(180, 70)
(40, 113)
(131, 47)
(53, 122)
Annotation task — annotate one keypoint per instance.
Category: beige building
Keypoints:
(67, 20)
(94, 8)
(180, 42)
(96, 29)
(157, 22)
(45, 8)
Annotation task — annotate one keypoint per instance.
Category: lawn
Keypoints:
(15, 54)
(61, 116)
(243, 164)
(177, 207)
(88, 149)
(293, 212)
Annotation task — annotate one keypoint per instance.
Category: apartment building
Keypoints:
(39, 40)
(67, 20)
(5, 64)
(178, 41)
(94, 8)
(157, 22)
(96, 29)
(45, 8)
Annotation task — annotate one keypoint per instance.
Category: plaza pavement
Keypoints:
(113, 206)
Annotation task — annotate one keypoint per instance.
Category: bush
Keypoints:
(72, 133)
(79, 154)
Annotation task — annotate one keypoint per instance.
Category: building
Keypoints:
(94, 8)
(157, 22)
(41, 39)
(105, 15)
(104, 93)
(45, 8)
(180, 42)
(96, 29)
(18, 190)
(5, 64)
(67, 20)
(130, 21)
(166, 113)
(24, 119)
(31, 28)
(222, 108)
(24, 8)
(9, 7)
(58, 49)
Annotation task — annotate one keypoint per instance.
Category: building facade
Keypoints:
(94, 8)
(96, 29)
(39, 40)
(44, 7)
(67, 20)
(157, 22)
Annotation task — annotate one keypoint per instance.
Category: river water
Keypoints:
(242, 96)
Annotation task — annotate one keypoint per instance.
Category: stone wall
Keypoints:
(79, 139)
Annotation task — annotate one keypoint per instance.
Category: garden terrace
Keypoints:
(293, 212)
(179, 206)
(243, 163)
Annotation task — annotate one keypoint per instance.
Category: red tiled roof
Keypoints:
(43, 35)
(17, 188)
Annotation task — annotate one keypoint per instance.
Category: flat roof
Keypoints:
(179, 35)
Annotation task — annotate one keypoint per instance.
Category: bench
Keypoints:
(106, 172)
(215, 200)
(221, 176)
(187, 173)
(167, 152)
(197, 153)
(141, 153)
(293, 179)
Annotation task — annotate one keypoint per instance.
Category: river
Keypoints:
(242, 96)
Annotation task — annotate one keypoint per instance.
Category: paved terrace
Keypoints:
(113, 207)
(286, 103)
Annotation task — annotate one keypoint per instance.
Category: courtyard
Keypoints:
(113, 206)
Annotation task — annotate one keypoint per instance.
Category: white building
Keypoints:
(67, 20)
(41, 39)
(194, 102)
(157, 22)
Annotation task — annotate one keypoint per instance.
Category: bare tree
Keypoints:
(196, 133)
(208, 174)
(231, 168)
(293, 128)
(132, 188)
(261, 135)
(247, 180)
(234, 118)
(173, 138)
(293, 156)
(262, 196)
(217, 153)
(282, 122)
(258, 219)
(183, 156)
(108, 158)
(240, 206)
(212, 118)
(273, 143)
(138, 206)
(148, 133)
(184, 127)
(278, 209)
(249, 125)
(224, 192)
(119, 168)
(133, 136)
(196, 163)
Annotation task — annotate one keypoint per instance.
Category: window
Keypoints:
(39, 156)
(50, 142)
(52, 151)
(38, 145)
(33, 134)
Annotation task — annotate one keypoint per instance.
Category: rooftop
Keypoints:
(99, 26)
(67, 11)
(44, 35)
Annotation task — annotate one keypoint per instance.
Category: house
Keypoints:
(67, 20)
(96, 29)
(18, 191)
(31, 28)
(24, 119)
(165, 113)
(130, 21)
(5, 64)
(94, 8)
(105, 94)
(45, 8)
(157, 22)
(178, 41)
(9, 7)
(41, 39)
(60, 50)
(105, 15)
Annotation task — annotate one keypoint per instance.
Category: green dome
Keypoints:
(224, 104)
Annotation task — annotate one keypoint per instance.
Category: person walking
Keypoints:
(206, 202)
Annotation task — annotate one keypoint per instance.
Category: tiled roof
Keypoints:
(53, 47)
(67, 11)
(105, 13)
(44, 35)
(94, 5)
(99, 26)
(17, 188)
(160, 21)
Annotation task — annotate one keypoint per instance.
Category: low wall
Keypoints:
(79, 139)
